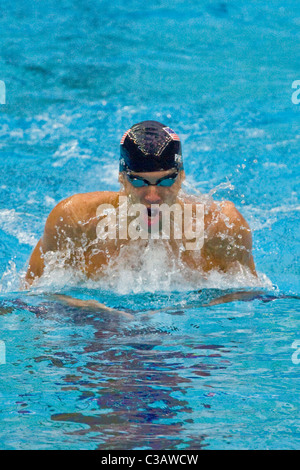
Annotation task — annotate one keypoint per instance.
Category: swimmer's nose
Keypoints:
(152, 196)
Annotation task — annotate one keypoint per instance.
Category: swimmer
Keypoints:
(151, 173)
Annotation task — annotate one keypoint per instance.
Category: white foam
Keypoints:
(49, 201)
(10, 279)
(137, 269)
(151, 269)
(68, 151)
(12, 222)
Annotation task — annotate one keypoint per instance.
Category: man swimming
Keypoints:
(151, 174)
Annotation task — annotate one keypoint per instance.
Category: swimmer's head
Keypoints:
(150, 146)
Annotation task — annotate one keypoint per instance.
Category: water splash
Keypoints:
(137, 269)
(16, 224)
(151, 270)
(10, 279)
(224, 185)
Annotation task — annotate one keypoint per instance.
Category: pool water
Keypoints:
(171, 367)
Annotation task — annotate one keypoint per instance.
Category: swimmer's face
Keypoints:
(153, 193)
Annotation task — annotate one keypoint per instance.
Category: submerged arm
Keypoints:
(91, 304)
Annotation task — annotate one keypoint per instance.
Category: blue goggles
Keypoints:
(139, 182)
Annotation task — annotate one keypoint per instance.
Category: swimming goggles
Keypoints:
(139, 182)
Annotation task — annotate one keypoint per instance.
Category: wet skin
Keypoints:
(227, 242)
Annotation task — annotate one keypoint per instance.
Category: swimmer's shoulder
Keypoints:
(81, 203)
(225, 212)
(214, 209)
(71, 212)
(87, 203)
(226, 228)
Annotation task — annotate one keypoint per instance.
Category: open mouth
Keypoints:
(152, 216)
(152, 212)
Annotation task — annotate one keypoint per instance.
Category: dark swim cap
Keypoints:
(150, 146)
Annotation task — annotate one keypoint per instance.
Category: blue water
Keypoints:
(169, 372)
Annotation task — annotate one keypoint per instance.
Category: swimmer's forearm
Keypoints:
(235, 296)
(92, 304)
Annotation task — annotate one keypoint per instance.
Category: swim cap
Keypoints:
(150, 146)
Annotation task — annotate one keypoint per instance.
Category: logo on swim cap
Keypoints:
(178, 158)
(173, 134)
(150, 146)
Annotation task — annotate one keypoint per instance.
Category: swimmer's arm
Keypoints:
(229, 239)
(89, 304)
(60, 229)
(35, 266)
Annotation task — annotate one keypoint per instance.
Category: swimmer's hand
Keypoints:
(92, 304)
